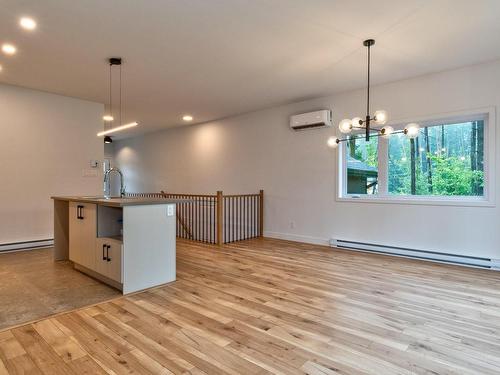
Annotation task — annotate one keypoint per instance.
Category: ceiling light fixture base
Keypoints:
(115, 61)
(369, 42)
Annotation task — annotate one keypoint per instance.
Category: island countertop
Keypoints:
(118, 202)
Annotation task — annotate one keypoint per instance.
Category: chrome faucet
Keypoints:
(106, 182)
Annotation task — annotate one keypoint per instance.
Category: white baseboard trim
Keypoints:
(26, 245)
(297, 238)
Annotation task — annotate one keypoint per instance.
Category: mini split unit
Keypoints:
(311, 120)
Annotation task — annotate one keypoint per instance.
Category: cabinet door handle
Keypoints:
(103, 255)
(107, 253)
(79, 212)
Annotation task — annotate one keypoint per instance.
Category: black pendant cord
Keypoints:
(379, 134)
(114, 61)
(120, 96)
(110, 95)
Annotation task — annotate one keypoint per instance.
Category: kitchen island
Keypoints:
(128, 243)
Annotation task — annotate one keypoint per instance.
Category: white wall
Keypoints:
(109, 150)
(46, 141)
(297, 171)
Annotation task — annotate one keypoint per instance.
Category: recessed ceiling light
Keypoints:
(9, 49)
(108, 118)
(27, 23)
(187, 118)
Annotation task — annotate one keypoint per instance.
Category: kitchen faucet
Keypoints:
(106, 181)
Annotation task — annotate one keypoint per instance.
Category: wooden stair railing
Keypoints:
(217, 218)
(243, 216)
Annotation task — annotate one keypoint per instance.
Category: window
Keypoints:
(362, 166)
(446, 162)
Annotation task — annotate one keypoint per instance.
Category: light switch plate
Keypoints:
(170, 210)
(94, 163)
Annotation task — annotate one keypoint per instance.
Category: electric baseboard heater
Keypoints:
(449, 258)
(26, 245)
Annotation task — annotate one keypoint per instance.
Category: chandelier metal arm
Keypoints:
(362, 127)
(379, 134)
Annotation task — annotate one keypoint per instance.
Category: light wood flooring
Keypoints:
(269, 306)
(33, 286)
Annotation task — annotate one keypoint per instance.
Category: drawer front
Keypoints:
(100, 256)
(115, 261)
(108, 258)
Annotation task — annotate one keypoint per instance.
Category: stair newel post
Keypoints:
(261, 214)
(219, 203)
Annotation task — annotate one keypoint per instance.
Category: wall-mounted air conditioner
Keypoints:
(311, 120)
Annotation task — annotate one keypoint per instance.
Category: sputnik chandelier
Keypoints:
(357, 124)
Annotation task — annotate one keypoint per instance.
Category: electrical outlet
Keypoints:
(170, 210)
(292, 224)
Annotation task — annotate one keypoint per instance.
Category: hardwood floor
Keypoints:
(33, 286)
(269, 306)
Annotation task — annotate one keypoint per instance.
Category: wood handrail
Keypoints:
(188, 195)
(241, 195)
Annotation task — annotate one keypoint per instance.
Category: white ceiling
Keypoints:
(216, 58)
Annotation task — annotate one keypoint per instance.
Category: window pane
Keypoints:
(362, 166)
(444, 160)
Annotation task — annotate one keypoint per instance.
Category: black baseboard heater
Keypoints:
(26, 245)
(434, 256)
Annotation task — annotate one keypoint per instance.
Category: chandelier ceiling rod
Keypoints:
(368, 43)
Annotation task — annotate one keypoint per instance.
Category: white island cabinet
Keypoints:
(126, 243)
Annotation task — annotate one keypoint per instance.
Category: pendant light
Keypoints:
(109, 118)
(346, 126)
